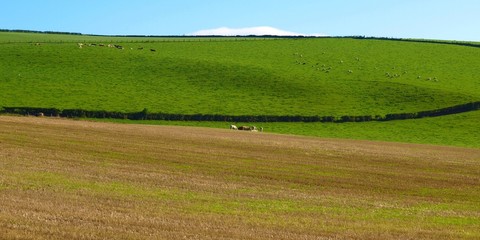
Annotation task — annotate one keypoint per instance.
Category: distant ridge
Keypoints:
(436, 41)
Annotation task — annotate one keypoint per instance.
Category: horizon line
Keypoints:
(232, 36)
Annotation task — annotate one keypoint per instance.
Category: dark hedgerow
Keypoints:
(146, 115)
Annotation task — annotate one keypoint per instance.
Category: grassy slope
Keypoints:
(63, 179)
(241, 77)
(252, 77)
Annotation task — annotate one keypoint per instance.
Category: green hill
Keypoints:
(235, 76)
(286, 76)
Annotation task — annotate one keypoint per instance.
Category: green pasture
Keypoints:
(277, 77)
(247, 76)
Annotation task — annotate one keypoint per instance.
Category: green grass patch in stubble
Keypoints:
(194, 202)
(60, 182)
(263, 209)
(56, 182)
(421, 214)
(244, 206)
(464, 194)
(462, 208)
(456, 221)
(401, 218)
(3, 184)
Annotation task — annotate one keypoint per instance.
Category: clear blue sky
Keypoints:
(434, 19)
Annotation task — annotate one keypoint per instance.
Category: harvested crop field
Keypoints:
(65, 179)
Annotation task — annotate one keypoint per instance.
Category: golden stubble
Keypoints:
(63, 179)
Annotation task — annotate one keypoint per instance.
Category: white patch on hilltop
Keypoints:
(257, 31)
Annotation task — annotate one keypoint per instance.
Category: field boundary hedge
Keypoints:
(146, 115)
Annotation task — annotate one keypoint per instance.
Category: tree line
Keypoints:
(146, 115)
(45, 32)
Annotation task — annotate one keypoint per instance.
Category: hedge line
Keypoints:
(145, 115)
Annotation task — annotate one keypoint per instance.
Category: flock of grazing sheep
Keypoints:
(82, 45)
(300, 59)
(246, 128)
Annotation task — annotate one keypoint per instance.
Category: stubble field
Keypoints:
(64, 179)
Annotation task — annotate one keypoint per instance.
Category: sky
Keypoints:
(428, 19)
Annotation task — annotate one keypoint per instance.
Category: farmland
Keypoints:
(86, 180)
(274, 77)
(251, 76)
(144, 179)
